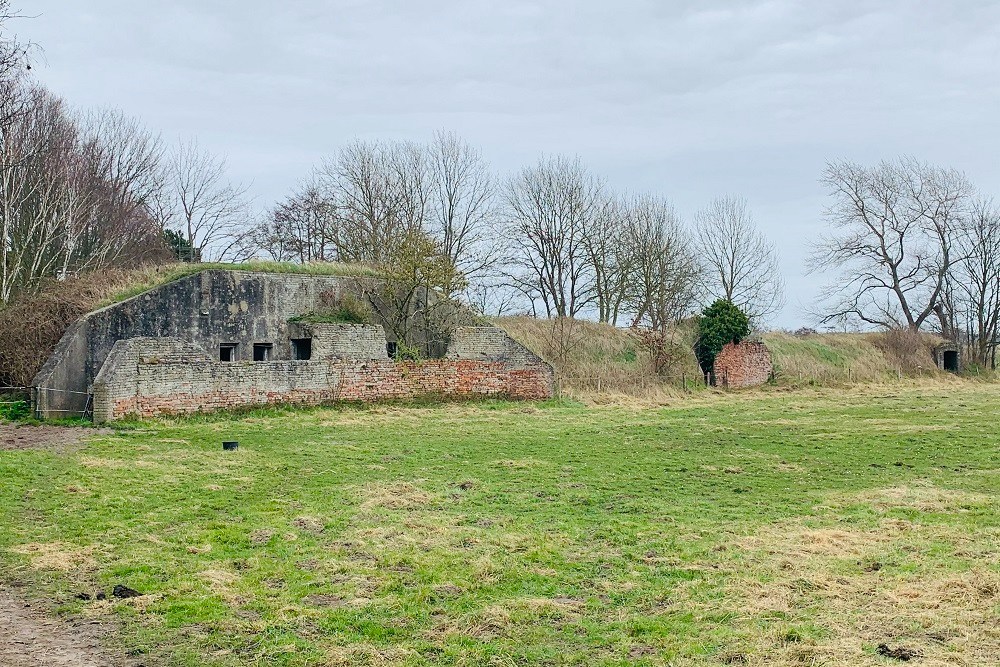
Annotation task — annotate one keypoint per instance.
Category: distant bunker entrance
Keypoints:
(948, 358)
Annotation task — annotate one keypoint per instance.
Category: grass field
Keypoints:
(781, 528)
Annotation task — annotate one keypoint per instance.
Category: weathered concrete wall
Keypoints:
(154, 376)
(744, 364)
(210, 308)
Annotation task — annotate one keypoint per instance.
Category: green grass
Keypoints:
(148, 279)
(784, 528)
(14, 407)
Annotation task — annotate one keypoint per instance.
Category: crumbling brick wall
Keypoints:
(744, 364)
(145, 377)
(345, 341)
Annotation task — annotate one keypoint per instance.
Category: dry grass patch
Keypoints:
(520, 464)
(367, 655)
(56, 556)
(310, 524)
(222, 583)
(797, 543)
(804, 578)
(394, 496)
(922, 497)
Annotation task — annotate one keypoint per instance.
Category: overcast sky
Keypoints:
(689, 99)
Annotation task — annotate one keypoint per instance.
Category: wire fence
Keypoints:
(567, 386)
(14, 395)
(38, 398)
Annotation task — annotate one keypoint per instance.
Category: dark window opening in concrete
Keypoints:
(950, 361)
(227, 352)
(302, 348)
(262, 351)
(390, 348)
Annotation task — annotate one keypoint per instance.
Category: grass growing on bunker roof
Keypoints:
(794, 528)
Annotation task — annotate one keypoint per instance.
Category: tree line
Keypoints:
(553, 239)
(85, 191)
(914, 246)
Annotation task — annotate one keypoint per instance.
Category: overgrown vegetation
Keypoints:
(410, 295)
(720, 324)
(832, 358)
(591, 356)
(588, 355)
(14, 406)
(338, 309)
(782, 529)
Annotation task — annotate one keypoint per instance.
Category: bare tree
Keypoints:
(382, 192)
(609, 257)
(463, 213)
(202, 204)
(741, 265)
(549, 208)
(72, 197)
(664, 273)
(978, 279)
(125, 162)
(15, 62)
(893, 240)
(302, 228)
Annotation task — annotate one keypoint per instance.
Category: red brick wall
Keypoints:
(177, 384)
(745, 364)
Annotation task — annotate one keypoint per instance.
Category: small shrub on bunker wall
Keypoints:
(720, 323)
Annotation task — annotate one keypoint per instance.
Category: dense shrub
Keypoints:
(31, 327)
(719, 324)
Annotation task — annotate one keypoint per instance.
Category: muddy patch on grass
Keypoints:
(15, 437)
(30, 638)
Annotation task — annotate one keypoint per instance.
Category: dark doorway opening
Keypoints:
(950, 361)
(302, 349)
(390, 348)
(227, 352)
(262, 351)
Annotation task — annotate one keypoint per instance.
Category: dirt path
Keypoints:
(29, 638)
(58, 438)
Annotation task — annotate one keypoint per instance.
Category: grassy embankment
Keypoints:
(789, 528)
(588, 356)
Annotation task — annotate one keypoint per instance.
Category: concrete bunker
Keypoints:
(227, 338)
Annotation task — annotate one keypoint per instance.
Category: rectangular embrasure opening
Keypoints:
(301, 349)
(262, 351)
